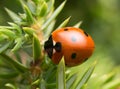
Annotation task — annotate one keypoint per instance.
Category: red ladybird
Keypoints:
(73, 43)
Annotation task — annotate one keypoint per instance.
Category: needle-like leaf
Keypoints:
(71, 81)
(112, 85)
(8, 33)
(4, 47)
(18, 66)
(42, 84)
(78, 24)
(16, 27)
(64, 23)
(80, 82)
(43, 9)
(54, 15)
(13, 16)
(29, 30)
(85, 77)
(8, 75)
(29, 16)
(11, 86)
(3, 37)
(36, 48)
(49, 29)
(61, 84)
(18, 42)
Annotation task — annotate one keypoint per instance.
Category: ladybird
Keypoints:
(73, 43)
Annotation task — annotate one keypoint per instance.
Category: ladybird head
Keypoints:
(49, 46)
(53, 49)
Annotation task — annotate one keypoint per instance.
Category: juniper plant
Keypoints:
(23, 62)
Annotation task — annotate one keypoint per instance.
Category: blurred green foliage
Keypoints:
(12, 4)
(100, 19)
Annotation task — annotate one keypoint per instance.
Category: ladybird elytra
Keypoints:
(73, 43)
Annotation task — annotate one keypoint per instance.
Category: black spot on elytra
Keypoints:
(58, 47)
(73, 39)
(73, 56)
(85, 33)
(65, 29)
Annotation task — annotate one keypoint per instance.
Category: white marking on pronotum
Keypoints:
(54, 43)
(54, 51)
